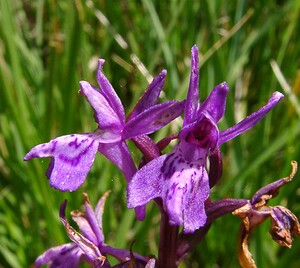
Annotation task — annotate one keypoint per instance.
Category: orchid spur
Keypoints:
(180, 178)
(72, 156)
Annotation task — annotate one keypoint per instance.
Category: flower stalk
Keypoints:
(167, 253)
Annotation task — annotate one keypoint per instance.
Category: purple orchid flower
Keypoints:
(180, 178)
(73, 155)
(88, 245)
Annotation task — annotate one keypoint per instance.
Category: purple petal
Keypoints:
(182, 185)
(109, 92)
(250, 120)
(105, 115)
(194, 213)
(152, 119)
(84, 225)
(119, 154)
(140, 212)
(90, 223)
(186, 188)
(192, 101)
(146, 184)
(72, 158)
(94, 221)
(150, 96)
(215, 103)
(67, 255)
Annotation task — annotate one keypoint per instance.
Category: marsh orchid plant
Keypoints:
(179, 182)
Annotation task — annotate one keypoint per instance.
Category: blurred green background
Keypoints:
(47, 47)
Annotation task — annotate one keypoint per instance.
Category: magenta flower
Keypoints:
(88, 245)
(180, 178)
(73, 155)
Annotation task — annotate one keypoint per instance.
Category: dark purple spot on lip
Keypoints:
(74, 143)
(54, 143)
(74, 161)
(169, 196)
(176, 157)
(171, 191)
(77, 144)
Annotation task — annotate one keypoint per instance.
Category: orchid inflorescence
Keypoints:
(179, 182)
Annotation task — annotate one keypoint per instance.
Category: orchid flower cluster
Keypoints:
(178, 182)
